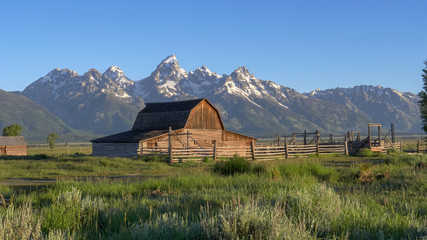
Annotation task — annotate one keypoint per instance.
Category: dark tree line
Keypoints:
(423, 98)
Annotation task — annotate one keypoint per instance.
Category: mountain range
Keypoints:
(106, 103)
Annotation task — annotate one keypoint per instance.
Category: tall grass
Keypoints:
(20, 223)
(236, 165)
(304, 200)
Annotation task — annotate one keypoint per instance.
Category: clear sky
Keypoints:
(300, 44)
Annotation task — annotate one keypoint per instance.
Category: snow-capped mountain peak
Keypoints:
(203, 72)
(57, 75)
(113, 72)
(204, 69)
(170, 60)
(242, 99)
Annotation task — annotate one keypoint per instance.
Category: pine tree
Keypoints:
(423, 99)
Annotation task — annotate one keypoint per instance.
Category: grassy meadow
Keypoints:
(327, 197)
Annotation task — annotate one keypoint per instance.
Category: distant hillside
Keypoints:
(383, 105)
(36, 121)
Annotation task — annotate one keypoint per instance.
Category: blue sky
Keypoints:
(300, 44)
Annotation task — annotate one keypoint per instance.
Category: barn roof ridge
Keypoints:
(187, 100)
(12, 141)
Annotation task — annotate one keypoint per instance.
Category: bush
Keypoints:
(252, 220)
(20, 223)
(153, 158)
(365, 152)
(237, 165)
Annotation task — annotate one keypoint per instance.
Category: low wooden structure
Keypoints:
(376, 141)
(191, 124)
(13, 146)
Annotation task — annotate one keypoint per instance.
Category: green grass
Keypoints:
(311, 198)
(60, 150)
(238, 165)
(44, 166)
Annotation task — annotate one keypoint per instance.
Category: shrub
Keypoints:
(365, 152)
(237, 165)
(232, 166)
(207, 160)
(252, 220)
(20, 223)
(153, 158)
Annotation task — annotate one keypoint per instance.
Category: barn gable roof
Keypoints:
(12, 141)
(133, 136)
(158, 116)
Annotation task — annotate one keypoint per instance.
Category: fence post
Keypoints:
(305, 137)
(253, 149)
(141, 149)
(401, 147)
(346, 148)
(317, 146)
(170, 146)
(369, 136)
(188, 139)
(214, 151)
(286, 150)
(393, 136)
(418, 146)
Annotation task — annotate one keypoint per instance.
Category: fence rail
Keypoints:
(260, 153)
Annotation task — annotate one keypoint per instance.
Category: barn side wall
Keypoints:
(16, 150)
(199, 138)
(115, 149)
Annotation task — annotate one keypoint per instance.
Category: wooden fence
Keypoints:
(260, 153)
(421, 148)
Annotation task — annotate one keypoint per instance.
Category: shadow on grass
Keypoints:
(28, 157)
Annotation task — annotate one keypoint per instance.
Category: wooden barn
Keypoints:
(13, 146)
(186, 124)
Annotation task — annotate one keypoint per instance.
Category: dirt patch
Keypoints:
(157, 192)
(366, 176)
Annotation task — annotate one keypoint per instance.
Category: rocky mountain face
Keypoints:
(94, 102)
(108, 103)
(382, 105)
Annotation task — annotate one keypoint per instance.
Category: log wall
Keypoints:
(198, 138)
(115, 149)
(16, 150)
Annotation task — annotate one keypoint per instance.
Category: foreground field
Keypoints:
(328, 197)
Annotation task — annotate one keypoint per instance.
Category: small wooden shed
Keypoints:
(13, 146)
(193, 123)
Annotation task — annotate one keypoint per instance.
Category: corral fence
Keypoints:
(421, 147)
(297, 145)
(253, 152)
